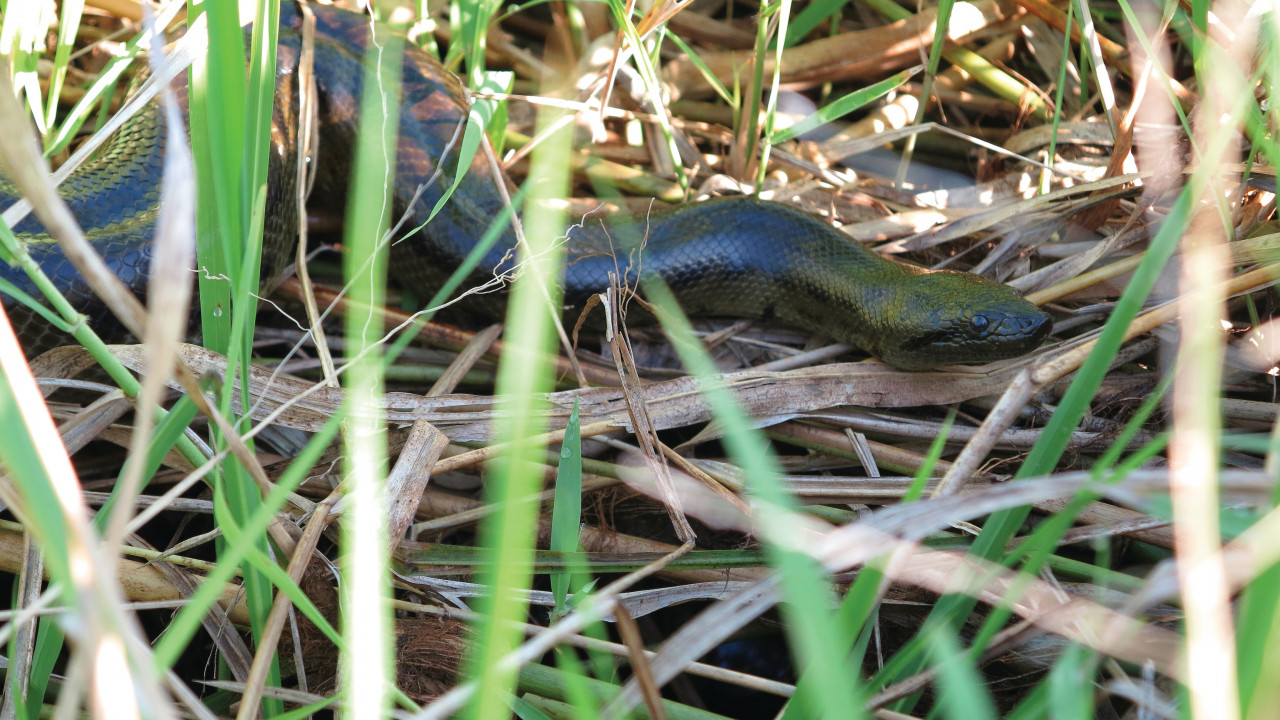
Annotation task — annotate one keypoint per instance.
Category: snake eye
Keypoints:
(978, 323)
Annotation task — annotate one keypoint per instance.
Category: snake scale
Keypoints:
(736, 257)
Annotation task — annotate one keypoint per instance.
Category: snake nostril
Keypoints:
(1037, 325)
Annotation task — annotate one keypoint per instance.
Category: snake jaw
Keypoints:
(964, 319)
(1004, 336)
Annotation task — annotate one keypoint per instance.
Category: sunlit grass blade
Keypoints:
(21, 35)
(707, 75)
(771, 105)
(525, 710)
(217, 118)
(480, 120)
(367, 670)
(67, 26)
(470, 22)
(522, 376)
(941, 26)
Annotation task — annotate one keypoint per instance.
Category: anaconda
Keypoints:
(731, 257)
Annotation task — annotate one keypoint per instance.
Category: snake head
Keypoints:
(961, 318)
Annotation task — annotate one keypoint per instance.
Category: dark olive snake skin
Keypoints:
(732, 257)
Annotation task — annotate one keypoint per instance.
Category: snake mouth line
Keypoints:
(1013, 334)
(1033, 329)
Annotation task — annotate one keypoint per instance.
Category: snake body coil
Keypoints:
(732, 257)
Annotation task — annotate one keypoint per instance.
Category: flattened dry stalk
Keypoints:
(443, 335)
(304, 405)
(484, 454)
(89, 423)
(28, 597)
(409, 477)
(480, 345)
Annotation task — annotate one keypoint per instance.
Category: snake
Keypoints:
(735, 257)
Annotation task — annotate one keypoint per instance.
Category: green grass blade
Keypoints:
(217, 116)
(1258, 621)
(813, 15)
(576, 689)
(962, 692)
(931, 458)
(1066, 697)
(187, 622)
(807, 595)
(479, 120)
(524, 710)
(841, 107)
(168, 432)
(549, 682)
(707, 75)
(566, 516)
(21, 35)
